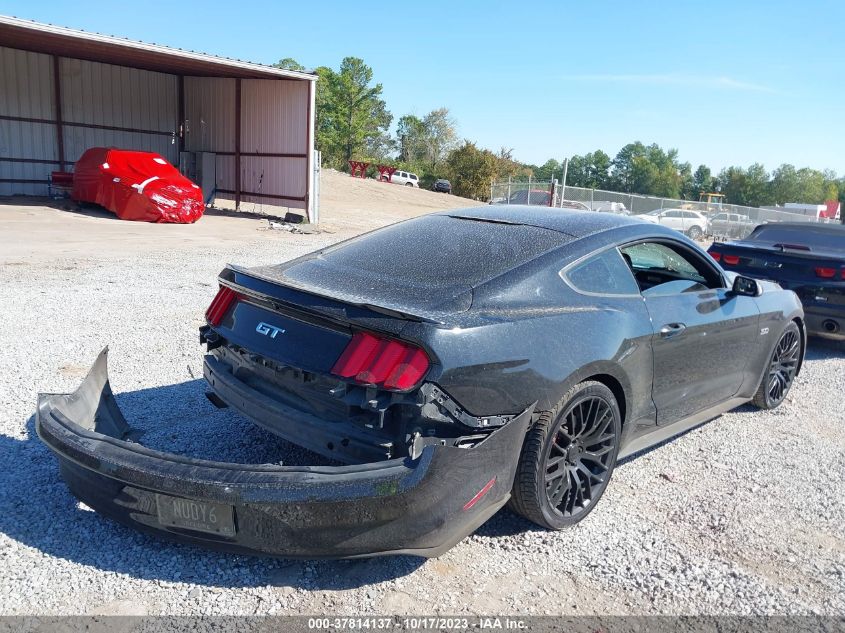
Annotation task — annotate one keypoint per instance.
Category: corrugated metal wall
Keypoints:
(26, 91)
(274, 123)
(275, 116)
(141, 103)
(107, 105)
(210, 123)
(115, 96)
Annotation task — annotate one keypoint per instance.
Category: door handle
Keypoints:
(672, 329)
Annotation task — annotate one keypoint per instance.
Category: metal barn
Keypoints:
(243, 131)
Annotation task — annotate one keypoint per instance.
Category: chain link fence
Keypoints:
(720, 221)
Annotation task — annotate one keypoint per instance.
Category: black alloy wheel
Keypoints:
(783, 366)
(568, 458)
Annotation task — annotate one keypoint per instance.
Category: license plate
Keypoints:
(202, 516)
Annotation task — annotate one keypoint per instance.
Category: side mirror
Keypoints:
(746, 287)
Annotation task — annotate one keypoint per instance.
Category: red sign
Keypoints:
(385, 173)
(357, 168)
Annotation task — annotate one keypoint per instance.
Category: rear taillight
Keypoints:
(716, 256)
(383, 362)
(220, 305)
(825, 273)
(730, 260)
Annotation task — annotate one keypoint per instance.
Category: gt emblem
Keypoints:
(268, 330)
(764, 331)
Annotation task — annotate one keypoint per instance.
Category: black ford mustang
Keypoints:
(457, 362)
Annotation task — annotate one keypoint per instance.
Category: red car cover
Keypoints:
(136, 186)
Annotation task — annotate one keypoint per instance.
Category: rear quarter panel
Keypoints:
(531, 340)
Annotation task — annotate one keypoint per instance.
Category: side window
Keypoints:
(413, 177)
(660, 269)
(672, 214)
(604, 273)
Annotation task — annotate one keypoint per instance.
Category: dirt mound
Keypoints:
(365, 204)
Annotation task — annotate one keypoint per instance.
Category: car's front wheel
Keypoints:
(783, 365)
(694, 232)
(568, 457)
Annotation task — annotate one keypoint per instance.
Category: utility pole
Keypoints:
(563, 182)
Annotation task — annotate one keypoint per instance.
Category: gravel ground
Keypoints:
(744, 515)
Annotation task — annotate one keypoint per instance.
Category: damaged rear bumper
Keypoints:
(402, 506)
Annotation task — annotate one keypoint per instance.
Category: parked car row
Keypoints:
(410, 179)
(691, 223)
(696, 224)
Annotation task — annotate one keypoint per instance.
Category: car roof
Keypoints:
(573, 222)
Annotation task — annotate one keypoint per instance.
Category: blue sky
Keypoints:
(725, 82)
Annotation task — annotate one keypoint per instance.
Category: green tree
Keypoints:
(592, 170)
(642, 176)
(785, 185)
(811, 183)
(440, 136)
(410, 135)
(832, 186)
(702, 180)
(734, 183)
(354, 117)
(288, 63)
(598, 169)
(623, 166)
(507, 167)
(471, 171)
(757, 192)
(549, 170)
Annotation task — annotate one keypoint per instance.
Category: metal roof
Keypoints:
(64, 42)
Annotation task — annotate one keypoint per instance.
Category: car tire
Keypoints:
(694, 232)
(781, 369)
(409, 184)
(557, 444)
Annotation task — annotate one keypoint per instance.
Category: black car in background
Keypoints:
(457, 362)
(807, 258)
(442, 185)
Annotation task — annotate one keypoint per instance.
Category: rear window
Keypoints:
(441, 250)
(813, 236)
(605, 273)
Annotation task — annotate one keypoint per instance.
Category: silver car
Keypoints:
(691, 223)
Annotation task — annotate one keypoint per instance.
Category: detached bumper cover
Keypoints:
(422, 506)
